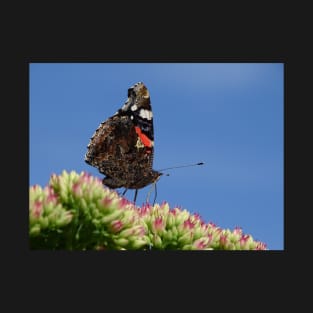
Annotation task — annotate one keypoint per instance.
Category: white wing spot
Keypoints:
(134, 107)
(146, 114)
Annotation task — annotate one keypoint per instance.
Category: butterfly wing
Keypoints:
(122, 147)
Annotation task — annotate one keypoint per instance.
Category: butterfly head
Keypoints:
(139, 90)
(138, 97)
(149, 178)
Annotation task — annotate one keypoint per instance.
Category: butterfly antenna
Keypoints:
(187, 165)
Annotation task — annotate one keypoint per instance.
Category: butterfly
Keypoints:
(122, 147)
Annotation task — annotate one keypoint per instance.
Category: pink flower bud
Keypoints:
(188, 224)
(158, 223)
(37, 208)
(117, 225)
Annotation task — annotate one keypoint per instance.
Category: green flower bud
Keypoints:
(34, 230)
(111, 217)
(170, 221)
(156, 241)
(44, 222)
(139, 243)
(122, 242)
(185, 238)
(64, 219)
(168, 235)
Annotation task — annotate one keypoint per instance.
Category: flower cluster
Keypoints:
(178, 229)
(46, 212)
(76, 212)
(99, 218)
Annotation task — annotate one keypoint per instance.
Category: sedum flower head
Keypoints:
(45, 211)
(75, 211)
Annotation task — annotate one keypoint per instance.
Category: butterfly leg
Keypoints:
(149, 193)
(155, 193)
(136, 191)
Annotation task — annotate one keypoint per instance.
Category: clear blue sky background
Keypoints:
(228, 115)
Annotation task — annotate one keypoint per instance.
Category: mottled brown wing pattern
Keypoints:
(122, 147)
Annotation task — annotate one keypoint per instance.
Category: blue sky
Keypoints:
(228, 115)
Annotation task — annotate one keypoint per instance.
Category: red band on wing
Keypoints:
(145, 140)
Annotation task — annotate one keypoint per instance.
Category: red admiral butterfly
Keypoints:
(122, 146)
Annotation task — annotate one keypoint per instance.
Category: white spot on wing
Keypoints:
(146, 114)
(134, 107)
